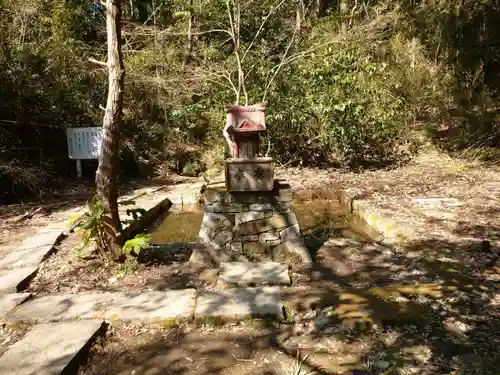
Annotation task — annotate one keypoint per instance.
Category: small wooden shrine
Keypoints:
(250, 213)
(247, 170)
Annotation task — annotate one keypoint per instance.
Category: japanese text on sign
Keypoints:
(84, 143)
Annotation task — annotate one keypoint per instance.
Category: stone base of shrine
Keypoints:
(239, 226)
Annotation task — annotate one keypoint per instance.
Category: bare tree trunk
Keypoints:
(134, 10)
(298, 19)
(189, 42)
(319, 7)
(344, 5)
(107, 172)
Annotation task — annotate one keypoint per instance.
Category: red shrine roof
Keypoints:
(247, 126)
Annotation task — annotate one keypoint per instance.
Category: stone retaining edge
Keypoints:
(386, 230)
(149, 217)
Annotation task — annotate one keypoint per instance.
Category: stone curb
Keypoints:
(382, 228)
(149, 216)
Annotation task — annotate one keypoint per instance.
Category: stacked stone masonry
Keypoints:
(238, 224)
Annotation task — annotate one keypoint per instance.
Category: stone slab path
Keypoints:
(252, 274)
(239, 302)
(182, 304)
(12, 281)
(9, 301)
(171, 304)
(48, 349)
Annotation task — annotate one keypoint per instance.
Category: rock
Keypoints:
(321, 322)
(218, 208)
(237, 247)
(247, 238)
(381, 365)
(255, 248)
(190, 169)
(212, 224)
(222, 238)
(263, 207)
(209, 253)
(245, 217)
(253, 274)
(49, 349)
(291, 233)
(276, 221)
(285, 193)
(269, 236)
(216, 195)
(239, 302)
(296, 248)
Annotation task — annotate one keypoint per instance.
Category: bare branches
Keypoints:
(234, 21)
(271, 11)
(165, 32)
(278, 68)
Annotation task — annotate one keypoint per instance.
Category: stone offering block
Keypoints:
(250, 174)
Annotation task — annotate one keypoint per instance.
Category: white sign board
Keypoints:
(84, 143)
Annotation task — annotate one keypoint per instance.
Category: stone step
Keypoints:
(49, 349)
(26, 257)
(252, 274)
(150, 306)
(9, 301)
(239, 303)
(15, 280)
(171, 304)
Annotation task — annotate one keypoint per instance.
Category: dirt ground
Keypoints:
(248, 348)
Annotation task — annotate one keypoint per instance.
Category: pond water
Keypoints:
(319, 219)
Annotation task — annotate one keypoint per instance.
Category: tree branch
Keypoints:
(280, 64)
(183, 34)
(235, 42)
(260, 29)
(97, 62)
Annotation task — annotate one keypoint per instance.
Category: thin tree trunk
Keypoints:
(319, 7)
(134, 11)
(343, 12)
(189, 42)
(107, 172)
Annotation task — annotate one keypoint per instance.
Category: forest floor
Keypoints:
(441, 210)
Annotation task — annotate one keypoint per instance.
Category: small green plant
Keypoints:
(137, 244)
(91, 224)
(297, 366)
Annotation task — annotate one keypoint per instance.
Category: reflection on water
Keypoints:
(317, 219)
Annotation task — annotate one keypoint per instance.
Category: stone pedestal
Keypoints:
(239, 225)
